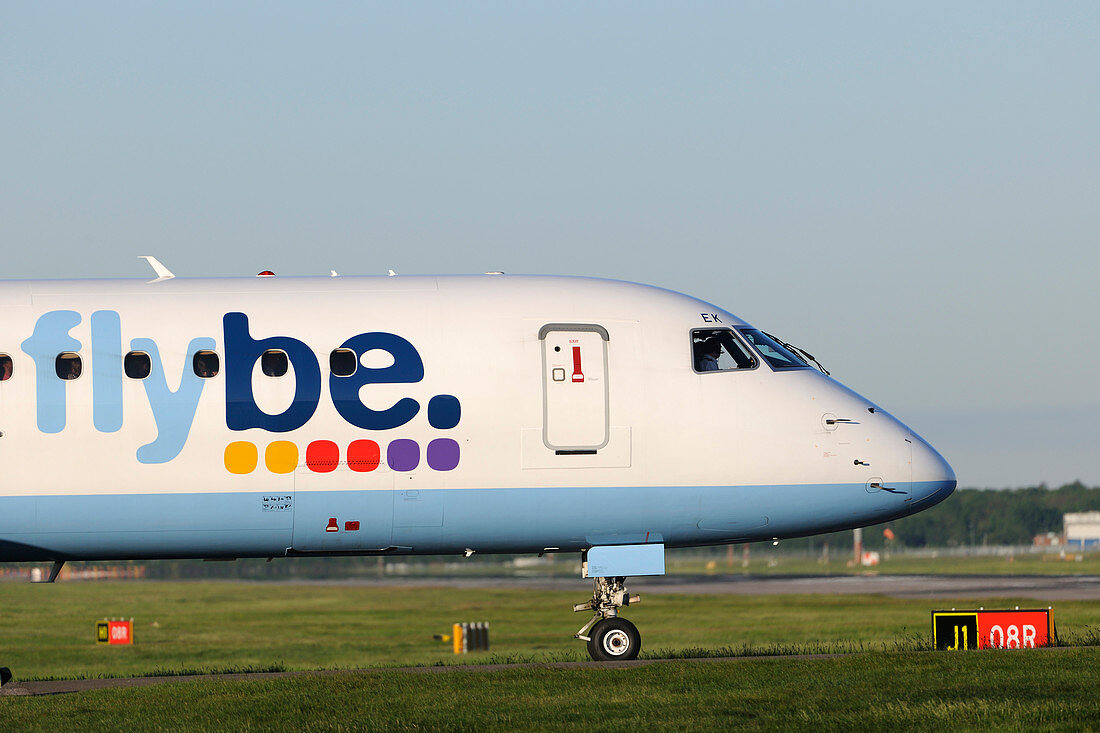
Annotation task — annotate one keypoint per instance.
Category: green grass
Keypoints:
(1033, 690)
(46, 631)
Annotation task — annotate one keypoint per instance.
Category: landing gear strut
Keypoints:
(609, 637)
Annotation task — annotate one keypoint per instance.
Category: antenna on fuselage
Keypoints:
(163, 273)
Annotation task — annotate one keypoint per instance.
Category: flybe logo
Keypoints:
(174, 409)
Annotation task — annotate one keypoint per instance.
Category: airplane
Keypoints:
(223, 418)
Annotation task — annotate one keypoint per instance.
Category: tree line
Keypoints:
(991, 517)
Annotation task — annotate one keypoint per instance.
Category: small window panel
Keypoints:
(718, 350)
(137, 365)
(274, 363)
(206, 364)
(7, 367)
(68, 365)
(342, 362)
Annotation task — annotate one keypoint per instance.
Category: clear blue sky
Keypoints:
(911, 193)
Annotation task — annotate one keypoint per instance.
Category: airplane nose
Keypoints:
(933, 478)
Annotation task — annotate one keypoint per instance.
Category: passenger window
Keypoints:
(68, 365)
(206, 364)
(718, 350)
(6, 367)
(342, 362)
(274, 363)
(137, 365)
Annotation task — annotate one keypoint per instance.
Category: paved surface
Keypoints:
(58, 687)
(61, 687)
(1036, 587)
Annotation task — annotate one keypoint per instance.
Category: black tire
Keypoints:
(614, 639)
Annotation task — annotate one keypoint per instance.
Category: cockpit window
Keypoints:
(718, 350)
(775, 353)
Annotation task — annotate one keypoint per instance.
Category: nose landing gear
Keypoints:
(609, 637)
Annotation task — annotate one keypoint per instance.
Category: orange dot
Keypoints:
(241, 457)
(281, 456)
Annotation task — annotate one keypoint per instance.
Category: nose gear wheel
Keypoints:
(614, 639)
(609, 636)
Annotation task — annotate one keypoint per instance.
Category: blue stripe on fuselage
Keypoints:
(430, 521)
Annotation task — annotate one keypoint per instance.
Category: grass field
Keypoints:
(47, 632)
(1017, 691)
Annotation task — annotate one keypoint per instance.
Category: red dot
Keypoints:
(363, 455)
(322, 456)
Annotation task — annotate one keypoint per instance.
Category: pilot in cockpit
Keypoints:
(709, 352)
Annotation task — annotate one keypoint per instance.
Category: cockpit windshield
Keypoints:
(775, 353)
(719, 350)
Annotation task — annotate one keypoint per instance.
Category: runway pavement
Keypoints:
(1037, 587)
(60, 687)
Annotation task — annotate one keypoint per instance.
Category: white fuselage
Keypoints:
(493, 413)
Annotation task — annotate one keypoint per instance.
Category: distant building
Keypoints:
(1048, 539)
(1082, 529)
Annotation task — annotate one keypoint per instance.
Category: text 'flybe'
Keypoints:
(174, 410)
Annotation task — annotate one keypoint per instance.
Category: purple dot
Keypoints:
(403, 455)
(443, 454)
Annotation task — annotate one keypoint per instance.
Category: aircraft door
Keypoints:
(575, 386)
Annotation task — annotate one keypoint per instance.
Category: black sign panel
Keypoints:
(952, 631)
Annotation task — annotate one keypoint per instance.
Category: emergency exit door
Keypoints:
(574, 386)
